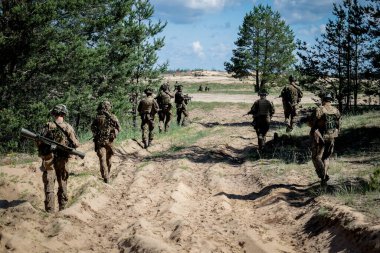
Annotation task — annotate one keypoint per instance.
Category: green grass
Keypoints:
(209, 106)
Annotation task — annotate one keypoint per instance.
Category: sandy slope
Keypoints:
(205, 197)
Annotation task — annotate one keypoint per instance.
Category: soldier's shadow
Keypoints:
(294, 194)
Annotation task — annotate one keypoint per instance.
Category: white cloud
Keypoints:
(304, 11)
(206, 4)
(198, 49)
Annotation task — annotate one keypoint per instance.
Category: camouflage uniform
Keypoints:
(262, 111)
(291, 96)
(325, 125)
(105, 128)
(181, 104)
(55, 161)
(147, 108)
(165, 113)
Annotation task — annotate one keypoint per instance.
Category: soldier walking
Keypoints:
(262, 111)
(147, 109)
(291, 96)
(165, 112)
(325, 125)
(105, 127)
(181, 101)
(55, 160)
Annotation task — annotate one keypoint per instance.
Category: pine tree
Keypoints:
(264, 46)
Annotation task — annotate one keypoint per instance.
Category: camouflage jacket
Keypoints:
(148, 105)
(105, 127)
(63, 133)
(291, 95)
(262, 107)
(326, 119)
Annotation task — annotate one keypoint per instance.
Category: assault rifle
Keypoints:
(53, 144)
(187, 98)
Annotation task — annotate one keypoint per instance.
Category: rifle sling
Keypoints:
(65, 133)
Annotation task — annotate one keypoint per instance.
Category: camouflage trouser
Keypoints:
(55, 168)
(147, 127)
(290, 112)
(181, 109)
(105, 153)
(261, 127)
(321, 151)
(165, 116)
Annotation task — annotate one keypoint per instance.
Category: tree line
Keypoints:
(75, 52)
(344, 60)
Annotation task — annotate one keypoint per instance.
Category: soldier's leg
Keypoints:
(179, 115)
(185, 121)
(62, 176)
(110, 153)
(101, 152)
(161, 121)
(48, 178)
(168, 118)
(151, 132)
(329, 148)
(317, 150)
(144, 130)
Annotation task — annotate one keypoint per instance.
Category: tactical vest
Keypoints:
(178, 99)
(264, 108)
(330, 123)
(165, 98)
(56, 134)
(146, 105)
(102, 129)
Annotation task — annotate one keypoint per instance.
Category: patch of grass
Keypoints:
(24, 194)
(14, 159)
(3, 180)
(141, 165)
(81, 174)
(210, 106)
(323, 211)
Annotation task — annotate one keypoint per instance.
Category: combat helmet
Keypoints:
(104, 106)
(148, 91)
(328, 97)
(263, 92)
(59, 109)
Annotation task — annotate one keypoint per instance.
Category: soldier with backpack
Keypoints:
(325, 126)
(262, 111)
(165, 113)
(105, 127)
(181, 100)
(147, 108)
(291, 96)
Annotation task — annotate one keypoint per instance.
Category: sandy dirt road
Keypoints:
(198, 196)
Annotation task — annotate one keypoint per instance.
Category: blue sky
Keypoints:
(200, 34)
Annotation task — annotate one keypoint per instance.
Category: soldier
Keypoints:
(262, 111)
(55, 161)
(105, 127)
(147, 109)
(325, 125)
(291, 96)
(165, 113)
(181, 101)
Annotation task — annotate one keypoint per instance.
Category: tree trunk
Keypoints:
(257, 85)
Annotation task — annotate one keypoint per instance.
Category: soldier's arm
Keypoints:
(73, 136)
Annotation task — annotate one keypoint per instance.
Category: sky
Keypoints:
(200, 34)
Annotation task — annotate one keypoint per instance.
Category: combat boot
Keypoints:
(146, 144)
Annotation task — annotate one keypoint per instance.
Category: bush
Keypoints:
(374, 182)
